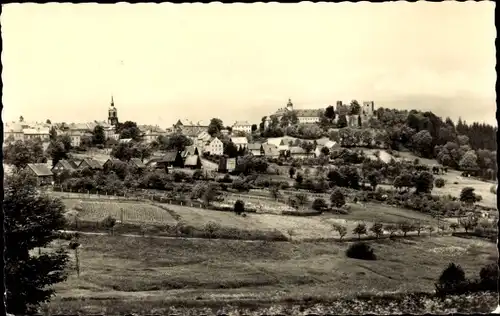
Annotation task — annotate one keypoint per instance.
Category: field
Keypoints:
(134, 213)
(140, 271)
(319, 226)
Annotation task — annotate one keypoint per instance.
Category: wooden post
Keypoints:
(77, 262)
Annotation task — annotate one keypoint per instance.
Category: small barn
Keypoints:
(42, 173)
(169, 160)
(61, 166)
(90, 163)
(189, 151)
(192, 162)
(137, 163)
(108, 165)
(256, 149)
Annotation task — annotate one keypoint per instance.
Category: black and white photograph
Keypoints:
(249, 158)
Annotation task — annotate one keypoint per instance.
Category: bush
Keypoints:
(439, 183)
(489, 277)
(337, 198)
(493, 189)
(319, 204)
(239, 207)
(452, 281)
(360, 250)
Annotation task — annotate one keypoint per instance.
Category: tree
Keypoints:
(405, 227)
(307, 146)
(422, 143)
(325, 151)
(354, 108)
(129, 129)
(122, 151)
(301, 199)
(342, 121)
(109, 223)
(374, 178)
(239, 207)
(211, 228)
(254, 128)
(468, 223)
(468, 161)
(468, 196)
(215, 126)
(291, 172)
(319, 204)
(439, 183)
(48, 122)
(31, 220)
(74, 244)
(52, 133)
(141, 151)
(430, 229)
(403, 181)
(21, 119)
(330, 113)
(450, 279)
(418, 228)
(377, 229)
(391, 228)
(98, 136)
(454, 226)
(57, 151)
(177, 142)
(340, 229)
(337, 198)
(359, 230)
(230, 149)
(335, 178)
(424, 182)
(299, 178)
(18, 154)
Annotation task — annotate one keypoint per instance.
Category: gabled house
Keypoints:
(137, 163)
(242, 126)
(240, 142)
(170, 159)
(299, 152)
(189, 150)
(108, 165)
(75, 163)
(193, 162)
(42, 173)
(256, 149)
(227, 164)
(62, 165)
(90, 163)
(270, 151)
(215, 147)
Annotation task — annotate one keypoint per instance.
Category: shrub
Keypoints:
(341, 229)
(319, 204)
(337, 198)
(377, 229)
(452, 281)
(439, 183)
(360, 250)
(493, 189)
(239, 207)
(489, 277)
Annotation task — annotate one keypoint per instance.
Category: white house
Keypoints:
(13, 131)
(76, 138)
(240, 142)
(215, 147)
(242, 126)
(33, 133)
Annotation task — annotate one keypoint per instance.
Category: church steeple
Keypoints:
(112, 113)
(289, 105)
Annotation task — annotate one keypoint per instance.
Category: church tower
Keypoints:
(289, 105)
(112, 114)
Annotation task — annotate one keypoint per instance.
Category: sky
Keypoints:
(164, 62)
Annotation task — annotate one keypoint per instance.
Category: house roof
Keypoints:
(13, 128)
(40, 169)
(270, 150)
(137, 162)
(65, 164)
(239, 140)
(94, 164)
(192, 160)
(36, 131)
(125, 140)
(75, 162)
(254, 146)
(241, 123)
(169, 156)
(189, 150)
(309, 113)
(297, 150)
(112, 160)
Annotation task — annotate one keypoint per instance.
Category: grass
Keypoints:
(133, 213)
(314, 227)
(152, 270)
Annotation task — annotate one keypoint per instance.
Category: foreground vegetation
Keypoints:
(148, 271)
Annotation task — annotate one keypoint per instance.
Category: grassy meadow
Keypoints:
(141, 273)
